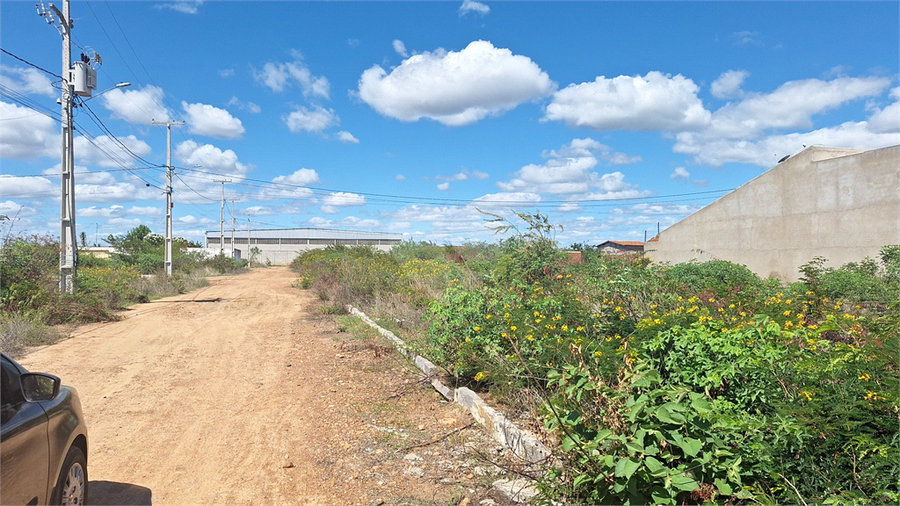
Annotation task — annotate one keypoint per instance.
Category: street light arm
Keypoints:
(120, 85)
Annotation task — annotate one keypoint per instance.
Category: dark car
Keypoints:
(43, 439)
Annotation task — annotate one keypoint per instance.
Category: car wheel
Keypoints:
(71, 487)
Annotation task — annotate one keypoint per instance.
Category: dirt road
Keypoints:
(243, 392)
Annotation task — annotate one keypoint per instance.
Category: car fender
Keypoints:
(66, 427)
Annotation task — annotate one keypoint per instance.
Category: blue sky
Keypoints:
(613, 118)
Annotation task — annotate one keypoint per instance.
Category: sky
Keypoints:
(613, 119)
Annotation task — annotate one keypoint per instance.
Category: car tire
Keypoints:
(72, 484)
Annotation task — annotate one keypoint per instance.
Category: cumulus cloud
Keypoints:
(456, 87)
(762, 128)
(653, 102)
(300, 177)
(347, 138)
(212, 159)
(314, 119)
(887, 120)
(400, 48)
(226, 73)
(204, 119)
(728, 85)
(26, 133)
(354, 222)
(103, 151)
(292, 186)
(26, 81)
(28, 187)
(680, 173)
(473, 6)
(333, 203)
(443, 187)
(569, 172)
(766, 152)
(278, 76)
(140, 107)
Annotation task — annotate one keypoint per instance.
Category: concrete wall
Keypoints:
(839, 204)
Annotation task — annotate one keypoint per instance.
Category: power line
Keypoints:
(26, 62)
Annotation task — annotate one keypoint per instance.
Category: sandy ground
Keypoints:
(244, 392)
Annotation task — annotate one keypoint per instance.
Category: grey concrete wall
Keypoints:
(839, 204)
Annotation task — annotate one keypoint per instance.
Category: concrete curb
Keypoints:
(522, 444)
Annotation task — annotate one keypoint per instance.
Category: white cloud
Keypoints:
(728, 85)
(291, 186)
(278, 76)
(399, 177)
(26, 81)
(103, 151)
(758, 129)
(473, 6)
(343, 199)
(767, 151)
(347, 138)
(184, 6)
(246, 106)
(211, 159)
(354, 222)
(443, 187)
(652, 102)
(28, 187)
(204, 119)
(887, 120)
(400, 48)
(569, 172)
(680, 173)
(27, 134)
(455, 88)
(300, 177)
(791, 106)
(140, 107)
(226, 73)
(745, 38)
(313, 120)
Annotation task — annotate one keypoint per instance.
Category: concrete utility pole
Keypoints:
(232, 229)
(222, 220)
(68, 244)
(169, 204)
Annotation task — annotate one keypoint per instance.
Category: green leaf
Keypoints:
(723, 486)
(656, 468)
(691, 446)
(684, 483)
(666, 415)
(626, 467)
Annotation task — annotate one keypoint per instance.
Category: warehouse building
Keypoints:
(282, 246)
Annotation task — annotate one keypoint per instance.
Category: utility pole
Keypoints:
(86, 79)
(169, 204)
(222, 220)
(232, 229)
(249, 254)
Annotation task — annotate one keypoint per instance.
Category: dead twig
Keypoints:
(445, 436)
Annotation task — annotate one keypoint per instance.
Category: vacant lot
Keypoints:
(245, 393)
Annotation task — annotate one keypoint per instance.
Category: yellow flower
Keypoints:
(477, 329)
(598, 353)
(488, 316)
(480, 376)
(514, 328)
(864, 377)
(786, 313)
(467, 339)
(807, 394)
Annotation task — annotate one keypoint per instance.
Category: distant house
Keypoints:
(620, 247)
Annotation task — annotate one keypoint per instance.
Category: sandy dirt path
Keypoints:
(243, 392)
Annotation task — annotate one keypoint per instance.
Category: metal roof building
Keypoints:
(282, 246)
